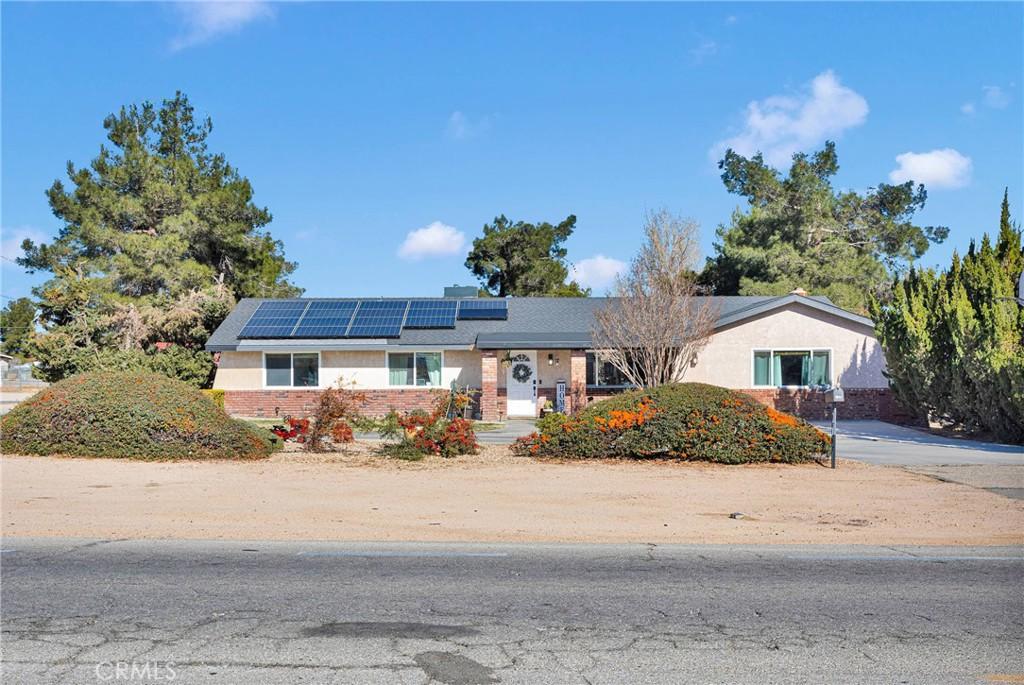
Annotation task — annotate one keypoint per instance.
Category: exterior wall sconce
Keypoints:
(553, 360)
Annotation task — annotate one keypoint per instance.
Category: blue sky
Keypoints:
(382, 137)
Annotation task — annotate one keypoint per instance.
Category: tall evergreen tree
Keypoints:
(954, 343)
(158, 237)
(798, 231)
(523, 259)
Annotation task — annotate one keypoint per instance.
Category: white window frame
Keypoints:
(771, 365)
(387, 369)
(291, 366)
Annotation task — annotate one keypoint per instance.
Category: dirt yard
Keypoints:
(496, 497)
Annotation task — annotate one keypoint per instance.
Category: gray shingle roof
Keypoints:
(541, 322)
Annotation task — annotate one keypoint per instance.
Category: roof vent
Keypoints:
(798, 291)
(460, 291)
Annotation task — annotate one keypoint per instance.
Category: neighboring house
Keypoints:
(519, 352)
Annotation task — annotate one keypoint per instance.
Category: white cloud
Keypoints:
(11, 239)
(782, 125)
(968, 108)
(995, 97)
(204, 21)
(435, 240)
(700, 52)
(596, 272)
(461, 127)
(731, 19)
(944, 168)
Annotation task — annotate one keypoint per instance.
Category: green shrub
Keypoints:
(216, 395)
(132, 414)
(691, 421)
(195, 367)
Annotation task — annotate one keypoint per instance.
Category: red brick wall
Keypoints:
(489, 410)
(860, 403)
(281, 403)
(577, 389)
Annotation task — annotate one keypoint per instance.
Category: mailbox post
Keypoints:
(833, 396)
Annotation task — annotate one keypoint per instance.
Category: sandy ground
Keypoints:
(496, 497)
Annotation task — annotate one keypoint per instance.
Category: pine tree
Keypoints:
(159, 236)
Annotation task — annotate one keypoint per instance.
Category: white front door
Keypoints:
(521, 383)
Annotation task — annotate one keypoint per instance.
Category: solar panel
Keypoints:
(431, 314)
(326, 319)
(493, 309)
(378, 319)
(273, 319)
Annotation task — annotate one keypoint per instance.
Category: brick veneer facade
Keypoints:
(489, 410)
(577, 380)
(281, 403)
(492, 401)
(860, 403)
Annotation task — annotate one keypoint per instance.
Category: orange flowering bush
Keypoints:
(690, 421)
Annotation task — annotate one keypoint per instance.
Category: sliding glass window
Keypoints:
(792, 368)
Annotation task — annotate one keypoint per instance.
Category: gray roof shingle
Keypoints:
(542, 322)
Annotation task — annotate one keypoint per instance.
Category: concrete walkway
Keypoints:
(512, 430)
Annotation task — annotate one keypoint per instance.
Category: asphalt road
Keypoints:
(227, 612)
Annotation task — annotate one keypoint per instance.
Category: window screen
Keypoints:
(400, 368)
(279, 369)
(762, 368)
(306, 370)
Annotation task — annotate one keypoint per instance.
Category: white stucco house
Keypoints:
(519, 352)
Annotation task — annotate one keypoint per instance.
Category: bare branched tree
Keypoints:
(657, 323)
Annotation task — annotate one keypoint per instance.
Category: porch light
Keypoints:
(553, 360)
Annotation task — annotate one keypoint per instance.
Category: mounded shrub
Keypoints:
(128, 414)
(689, 421)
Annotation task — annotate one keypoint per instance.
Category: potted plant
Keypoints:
(547, 408)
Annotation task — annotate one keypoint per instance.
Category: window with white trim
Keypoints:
(422, 369)
(792, 368)
(292, 370)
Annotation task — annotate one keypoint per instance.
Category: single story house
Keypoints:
(522, 351)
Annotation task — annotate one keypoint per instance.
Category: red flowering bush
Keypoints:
(434, 433)
(690, 421)
(336, 410)
(293, 429)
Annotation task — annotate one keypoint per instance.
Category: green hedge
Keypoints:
(216, 395)
(690, 421)
(128, 414)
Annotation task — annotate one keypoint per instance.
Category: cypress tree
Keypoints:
(954, 343)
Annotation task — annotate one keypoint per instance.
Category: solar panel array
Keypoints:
(274, 320)
(325, 319)
(364, 318)
(480, 310)
(378, 319)
(432, 314)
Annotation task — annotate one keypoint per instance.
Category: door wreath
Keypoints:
(521, 373)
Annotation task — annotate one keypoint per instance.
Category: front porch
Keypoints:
(518, 383)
